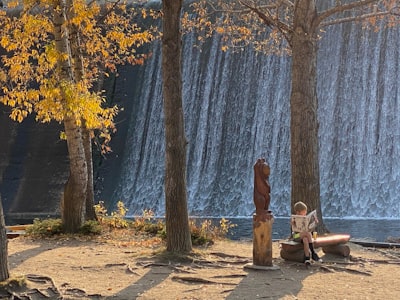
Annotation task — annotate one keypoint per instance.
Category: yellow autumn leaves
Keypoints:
(30, 79)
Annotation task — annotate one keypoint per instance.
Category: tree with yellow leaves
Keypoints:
(293, 27)
(56, 52)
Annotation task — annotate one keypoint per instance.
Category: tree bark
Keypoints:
(304, 109)
(72, 205)
(176, 215)
(75, 189)
(79, 75)
(262, 241)
(4, 268)
(89, 203)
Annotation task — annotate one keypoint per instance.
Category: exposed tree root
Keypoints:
(199, 280)
(128, 267)
(230, 276)
(331, 268)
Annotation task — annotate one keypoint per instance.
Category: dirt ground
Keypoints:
(103, 268)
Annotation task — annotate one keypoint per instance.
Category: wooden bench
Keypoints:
(15, 230)
(330, 243)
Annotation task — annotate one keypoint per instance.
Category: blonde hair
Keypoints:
(300, 206)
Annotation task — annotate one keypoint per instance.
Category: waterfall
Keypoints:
(360, 123)
(237, 110)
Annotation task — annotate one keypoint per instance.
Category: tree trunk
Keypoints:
(4, 272)
(89, 203)
(79, 71)
(75, 189)
(176, 215)
(304, 109)
(72, 205)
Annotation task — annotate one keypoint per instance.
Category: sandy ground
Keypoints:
(73, 268)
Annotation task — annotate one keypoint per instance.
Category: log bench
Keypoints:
(330, 243)
(15, 230)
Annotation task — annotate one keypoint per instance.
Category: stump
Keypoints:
(262, 240)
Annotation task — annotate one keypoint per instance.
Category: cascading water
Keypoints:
(360, 122)
(237, 109)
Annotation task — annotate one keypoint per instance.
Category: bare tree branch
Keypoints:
(356, 18)
(341, 8)
(224, 10)
(395, 11)
(286, 3)
(271, 22)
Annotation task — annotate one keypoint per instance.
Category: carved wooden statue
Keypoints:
(262, 218)
(262, 188)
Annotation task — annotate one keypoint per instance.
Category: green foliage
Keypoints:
(202, 233)
(91, 227)
(51, 227)
(47, 227)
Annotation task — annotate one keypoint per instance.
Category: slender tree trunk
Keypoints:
(75, 189)
(4, 271)
(89, 203)
(177, 220)
(79, 75)
(304, 108)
